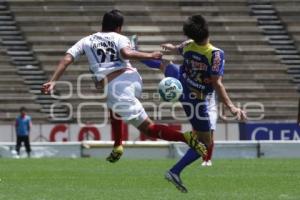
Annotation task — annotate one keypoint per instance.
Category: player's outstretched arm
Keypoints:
(128, 53)
(222, 94)
(61, 67)
(175, 48)
(170, 47)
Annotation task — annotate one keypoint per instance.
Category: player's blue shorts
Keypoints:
(195, 109)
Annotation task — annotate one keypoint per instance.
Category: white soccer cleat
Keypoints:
(209, 163)
(204, 164)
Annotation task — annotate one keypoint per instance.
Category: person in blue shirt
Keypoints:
(23, 126)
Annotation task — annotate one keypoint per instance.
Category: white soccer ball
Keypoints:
(170, 89)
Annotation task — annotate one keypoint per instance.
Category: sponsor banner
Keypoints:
(269, 131)
(74, 132)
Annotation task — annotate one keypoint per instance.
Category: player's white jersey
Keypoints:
(103, 52)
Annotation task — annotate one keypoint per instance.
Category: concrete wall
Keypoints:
(158, 149)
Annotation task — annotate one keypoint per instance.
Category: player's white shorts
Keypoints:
(122, 98)
(212, 110)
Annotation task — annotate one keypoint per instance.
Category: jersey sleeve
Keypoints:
(218, 63)
(123, 42)
(181, 46)
(77, 49)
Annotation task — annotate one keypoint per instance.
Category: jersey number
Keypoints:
(103, 53)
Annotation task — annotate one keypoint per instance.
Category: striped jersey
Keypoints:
(200, 63)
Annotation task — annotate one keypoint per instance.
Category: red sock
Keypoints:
(165, 133)
(210, 151)
(116, 129)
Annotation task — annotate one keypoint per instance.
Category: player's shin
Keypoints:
(169, 134)
(209, 152)
(165, 133)
(189, 157)
(117, 129)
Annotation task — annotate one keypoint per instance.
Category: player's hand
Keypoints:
(168, 47)
(157, 55)
(239, 113)
(48, 87)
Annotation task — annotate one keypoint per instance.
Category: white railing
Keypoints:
(157, 149)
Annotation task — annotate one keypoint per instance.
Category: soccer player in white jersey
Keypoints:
(108, 53)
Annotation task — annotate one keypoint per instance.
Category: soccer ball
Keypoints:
(170, 89)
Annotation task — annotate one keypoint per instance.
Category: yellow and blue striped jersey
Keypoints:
(200, 63)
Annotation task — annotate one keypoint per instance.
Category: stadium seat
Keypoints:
(253, 72)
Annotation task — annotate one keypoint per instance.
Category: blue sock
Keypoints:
(172, 70)
(152, 63)
(189, 157)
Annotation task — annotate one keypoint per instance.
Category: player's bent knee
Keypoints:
(144, 127)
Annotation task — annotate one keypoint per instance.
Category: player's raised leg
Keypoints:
(166, 133)
(123, 101)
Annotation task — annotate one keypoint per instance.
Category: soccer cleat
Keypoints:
(209, 163)
(115, 154)
(192, 141)
(176, 180)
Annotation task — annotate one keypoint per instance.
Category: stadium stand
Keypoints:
(22, 58)
(253, 70)
(14, 94)
(278, 37)
(289, 14)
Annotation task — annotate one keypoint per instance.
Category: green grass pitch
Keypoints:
(95, 179)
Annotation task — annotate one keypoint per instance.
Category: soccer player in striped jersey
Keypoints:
(200, 74)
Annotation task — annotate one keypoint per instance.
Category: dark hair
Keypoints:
(196, 28)
(23, 109)
(112, 20)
